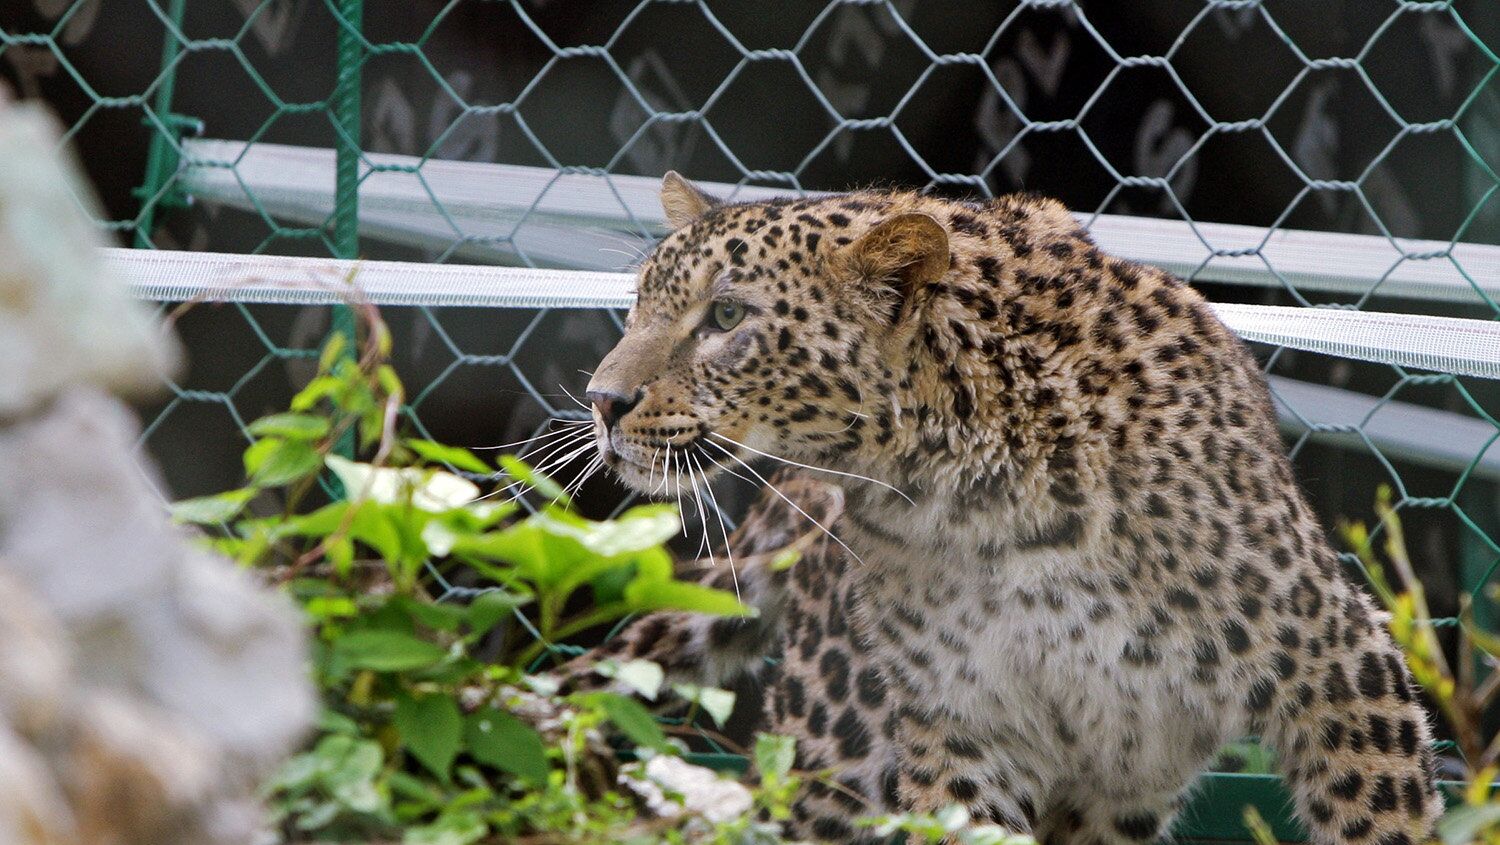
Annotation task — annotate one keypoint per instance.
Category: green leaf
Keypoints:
(291, 425)
(717, 703)
(785, 559)
(326, 608)
(1463, 825)
(774, 754)
(386, 375)
(375, 526)
(340, 553)
(297, 775)
(451, 828)
(431, 729)
(677, 595)
(537, 556)
(498, 739)
(386, 651)
(319, 815)
(333, 722)
(520, 471)
(485, 514)
(560, 551)
(440, 617)
(609, 586)
(643, 676)
(220, 507)
(348, 767)
(636, 530)
(454, 671)
(315, 390)
(455, 456)
(418, 790)
(633, 719)
(653, 565)
(273, 461)
(332, 350)
(319, 523)
(487, 609)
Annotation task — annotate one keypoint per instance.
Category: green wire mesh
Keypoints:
(1372, 117)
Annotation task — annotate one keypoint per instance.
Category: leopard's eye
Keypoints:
(725, 314)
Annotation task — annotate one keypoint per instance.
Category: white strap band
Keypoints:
(1444, 344)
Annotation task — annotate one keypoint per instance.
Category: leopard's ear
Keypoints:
(905, 253)
(682, 200)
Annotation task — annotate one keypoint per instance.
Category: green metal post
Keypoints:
(161, 157)
(346, 116)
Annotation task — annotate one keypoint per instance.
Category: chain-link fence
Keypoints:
(1218, 137)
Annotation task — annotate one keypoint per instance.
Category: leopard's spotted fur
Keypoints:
(1108, 570)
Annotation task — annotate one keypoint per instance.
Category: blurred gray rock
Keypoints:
(62, 322)
(146, 685)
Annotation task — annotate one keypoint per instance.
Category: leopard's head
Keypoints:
(766, 327)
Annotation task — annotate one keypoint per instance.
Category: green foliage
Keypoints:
(424, 737)
(497, 738)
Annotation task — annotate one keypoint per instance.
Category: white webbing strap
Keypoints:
(170, 276)
(1445, 344)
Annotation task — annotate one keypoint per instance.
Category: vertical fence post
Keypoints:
(346, 117)
(161, 156)
(346, 109)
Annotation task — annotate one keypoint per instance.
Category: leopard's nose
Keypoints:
(612, 406)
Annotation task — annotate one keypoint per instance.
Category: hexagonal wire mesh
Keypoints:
(1377, 119)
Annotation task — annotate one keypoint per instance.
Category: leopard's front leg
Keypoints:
(945, 761)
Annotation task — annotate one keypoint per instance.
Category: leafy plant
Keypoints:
(423, 734)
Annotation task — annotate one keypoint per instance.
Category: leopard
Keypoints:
(1061, 557)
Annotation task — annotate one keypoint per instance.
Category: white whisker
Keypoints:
(857, 416)
(634, 246)
(543, 454)
(676, 477)
(702, 517)
(577, 486)
(791, 462)
(563, 460)
(728, 548)
(547, 432)
(548, 463)
(785, 498)
(579, 402)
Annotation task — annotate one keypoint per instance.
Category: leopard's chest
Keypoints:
(1044, 649)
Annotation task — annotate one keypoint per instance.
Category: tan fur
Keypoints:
(1105, 569)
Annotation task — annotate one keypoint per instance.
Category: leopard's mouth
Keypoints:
(661, 469)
